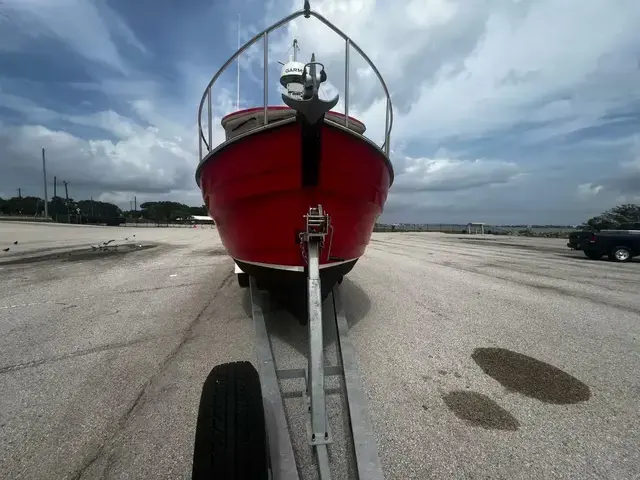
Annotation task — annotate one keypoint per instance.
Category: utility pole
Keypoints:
(55, 186)
(66, 194)
(19, 193)
(92, 214)
(135, 203)
(46, 199)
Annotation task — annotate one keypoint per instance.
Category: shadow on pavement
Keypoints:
(528, 376)
(287, 328)
(480, 411)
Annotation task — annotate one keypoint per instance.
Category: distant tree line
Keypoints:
(163, 211)
(625, 216)
(616, 217)
(169, 211)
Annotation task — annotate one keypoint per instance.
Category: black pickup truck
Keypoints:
(578, 239)
(619, 245)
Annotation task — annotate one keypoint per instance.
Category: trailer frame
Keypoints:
(281, 456)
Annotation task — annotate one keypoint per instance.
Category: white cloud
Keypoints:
(157, 157)
(459, 72)
(588, 190)
(110, 121)
(622, 181)
(30, 109)
(79, 24)
(446, 174)
(147, 161)
(464, 69)
(624, 199)
(626, 178)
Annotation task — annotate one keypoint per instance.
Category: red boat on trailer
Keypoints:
(280, 164)
(295, 191)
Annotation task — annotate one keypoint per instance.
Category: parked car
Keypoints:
(578, 239)
(617, 245)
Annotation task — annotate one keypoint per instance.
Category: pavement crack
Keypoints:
(163, 287)
(187, 335)
(549, 288)
(78, 353)
(21, 305)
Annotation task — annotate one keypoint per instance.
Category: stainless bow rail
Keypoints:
(349, 43)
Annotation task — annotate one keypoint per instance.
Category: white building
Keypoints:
(475, 227)
(201, 219)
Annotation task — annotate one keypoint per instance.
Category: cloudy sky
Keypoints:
(506, 111)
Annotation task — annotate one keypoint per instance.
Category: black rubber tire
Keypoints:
(243, 280)
(231, 440)
(593, 255)
(612, 256)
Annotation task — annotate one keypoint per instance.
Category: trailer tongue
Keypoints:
(319, 434)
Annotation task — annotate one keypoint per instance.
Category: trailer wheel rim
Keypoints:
(622, 254)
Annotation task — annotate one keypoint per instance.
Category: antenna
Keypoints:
(238, 74)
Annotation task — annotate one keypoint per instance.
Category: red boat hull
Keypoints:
(252, 188)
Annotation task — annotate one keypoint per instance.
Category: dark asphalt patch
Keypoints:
(480, 411)
(212, 252)
(531, 377)
(519, 246)
(80, 254)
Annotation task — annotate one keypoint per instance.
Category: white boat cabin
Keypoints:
(242, 121)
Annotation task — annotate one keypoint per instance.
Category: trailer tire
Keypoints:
(620, 254)
(243, 280)
(230, 440)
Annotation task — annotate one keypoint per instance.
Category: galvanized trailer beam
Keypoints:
(315, 389)
(319, 435)
(281, 451)
(283, 463)
(364, 443)
(319, 438)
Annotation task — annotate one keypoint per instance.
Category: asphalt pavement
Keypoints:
(481, 357)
